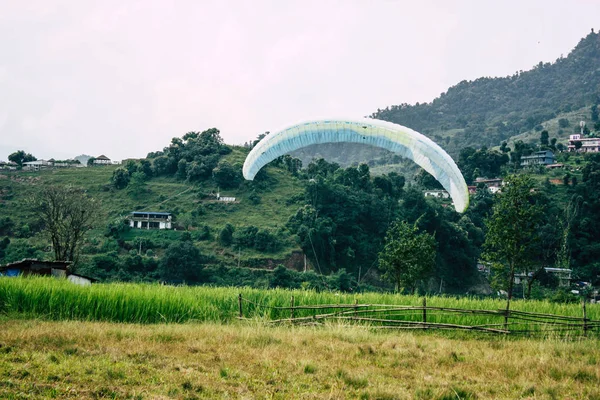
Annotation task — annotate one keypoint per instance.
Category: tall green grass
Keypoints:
(55, 299)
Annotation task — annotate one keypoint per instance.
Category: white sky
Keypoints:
(122, 78)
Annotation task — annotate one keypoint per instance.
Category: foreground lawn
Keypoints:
(44, 359)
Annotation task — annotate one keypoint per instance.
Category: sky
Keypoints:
(122, 78)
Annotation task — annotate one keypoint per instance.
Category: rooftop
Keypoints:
(150, 212)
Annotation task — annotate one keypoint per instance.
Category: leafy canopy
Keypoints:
(407, 256)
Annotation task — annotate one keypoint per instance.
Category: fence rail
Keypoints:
(387, 316)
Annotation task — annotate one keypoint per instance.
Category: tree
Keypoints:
(512, 232)
(563, 123)
(182, 262)
(595, 113)
(544, 138)
(67, 213)
(3, 245)
(227, 176)
(226, 235)
(21, 157)
(578, 144)
(137, 185)
(120, 178)
(407, 256)
(90, 161)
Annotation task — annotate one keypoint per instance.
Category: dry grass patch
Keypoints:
(191, 361)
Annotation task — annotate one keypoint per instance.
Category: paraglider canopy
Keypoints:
(393, 137)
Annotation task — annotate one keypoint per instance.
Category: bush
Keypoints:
(246, 236)
(120, 178)
(182, 262)
(226, 235)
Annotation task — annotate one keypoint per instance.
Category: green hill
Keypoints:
(487, 111)
(329, 218)
(193, 204)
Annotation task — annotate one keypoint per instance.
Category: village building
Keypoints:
(225, 199)
(493, 185)
(36, 165)
(57, 269)
(150, 220)
(544, 157)
(441, 194)
(588, 145)
(8, 165)
(563, 275)
(102, 160)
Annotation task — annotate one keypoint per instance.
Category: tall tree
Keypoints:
(544, 138)
(407, 256)
(21, 157)
(67, 213)
(513, 232)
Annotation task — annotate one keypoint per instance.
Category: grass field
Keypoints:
(187, 202)
(91, 360)
(54, 299)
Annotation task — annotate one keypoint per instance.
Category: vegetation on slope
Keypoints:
(487, 111)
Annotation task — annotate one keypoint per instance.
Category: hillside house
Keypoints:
(493, 185)
(150, 220)
(545, 157)
(225, 198)
(440, 194)
(57, 269)
(102, 160)
(588, 145)
(562, 274)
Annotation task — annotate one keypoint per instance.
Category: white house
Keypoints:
(150, 220)
(36, 165)
(588, 145)
(436, 193)
(225, 199)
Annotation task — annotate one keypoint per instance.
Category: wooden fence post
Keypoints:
(240, 305)
(424, 312)
(506, 314)
(292, 308)
(585, 327)
(355, 308)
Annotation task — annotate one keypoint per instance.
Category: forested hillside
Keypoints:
(488, 111)
(329, 219)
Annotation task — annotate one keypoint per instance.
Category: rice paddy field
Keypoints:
(53, 299)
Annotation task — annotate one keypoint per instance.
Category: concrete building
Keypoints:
(545, 157)
(150, 220)
(493, 185)
(36, 165)
(441, 194)
(588, 145)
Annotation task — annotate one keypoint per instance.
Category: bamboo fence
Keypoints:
(385, 316)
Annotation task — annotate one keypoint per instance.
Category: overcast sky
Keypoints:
(122, 78)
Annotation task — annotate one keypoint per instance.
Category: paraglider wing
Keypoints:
(393, 137)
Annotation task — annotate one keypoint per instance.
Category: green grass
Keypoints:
(162, 194)
(99, 360)
(153, 303)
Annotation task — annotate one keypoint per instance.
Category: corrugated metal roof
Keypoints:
(150, 212)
